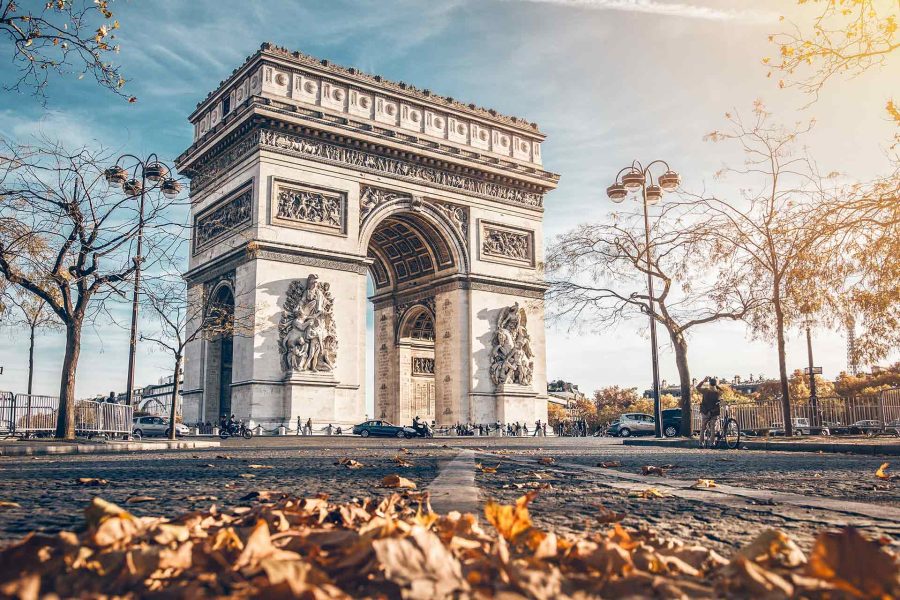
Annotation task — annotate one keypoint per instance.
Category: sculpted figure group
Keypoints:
(307, 335)
(512, 360)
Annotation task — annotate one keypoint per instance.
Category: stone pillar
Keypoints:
(452, 358)
(387, 380)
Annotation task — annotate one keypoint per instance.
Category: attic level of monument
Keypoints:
(296, 84)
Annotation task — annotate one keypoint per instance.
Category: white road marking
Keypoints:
(454, 488)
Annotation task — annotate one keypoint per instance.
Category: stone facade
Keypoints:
(307, 176)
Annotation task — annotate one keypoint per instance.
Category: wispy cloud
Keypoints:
(656, 7)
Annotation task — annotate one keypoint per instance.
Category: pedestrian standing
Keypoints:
(309, 426)
(544, 430)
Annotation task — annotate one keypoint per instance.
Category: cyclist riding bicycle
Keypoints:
(710, 406)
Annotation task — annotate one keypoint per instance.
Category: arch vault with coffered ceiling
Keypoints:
(307, 178)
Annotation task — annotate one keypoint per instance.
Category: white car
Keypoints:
(149, 426)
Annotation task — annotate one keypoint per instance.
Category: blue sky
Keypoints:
(608, 81)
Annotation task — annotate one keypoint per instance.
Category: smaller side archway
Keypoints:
(219, 353)
(416, 364)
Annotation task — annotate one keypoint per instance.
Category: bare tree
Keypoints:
(183, 315)
(779, 235)
(66, 238)
(598, 274)
(61, 36)
(34, 315)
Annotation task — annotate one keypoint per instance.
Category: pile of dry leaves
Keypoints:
(281, 546)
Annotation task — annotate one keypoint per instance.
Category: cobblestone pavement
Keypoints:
(50, 497)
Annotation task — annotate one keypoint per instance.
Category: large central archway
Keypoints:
(413, 246)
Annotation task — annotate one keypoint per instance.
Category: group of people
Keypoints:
(516, 429)
(307, 428)
(574, 428)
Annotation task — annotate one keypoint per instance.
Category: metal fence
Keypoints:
(28, 414)
(833, 412)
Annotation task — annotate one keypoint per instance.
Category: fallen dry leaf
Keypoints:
(402, 462)
(8, 504)
(651, 470)
(510, 521)
(395, 481)
(139, 499)
(854, 564)
(773, 548)
(350, 463)
(247, 475)
(92, 481)
(704, 483)
(605, 515)
(547, 460)
(259, 467)
(648, 493)
(609, 464)
(488, 470)
(881, 473)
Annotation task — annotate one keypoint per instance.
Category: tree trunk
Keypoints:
(684, 377)
(65, 420)
(173, 411)
(31, 360)
(782, 364)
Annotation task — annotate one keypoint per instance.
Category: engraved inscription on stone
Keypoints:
(225, 218)
(310, 206)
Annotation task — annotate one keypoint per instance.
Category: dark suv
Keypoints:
(671, 422)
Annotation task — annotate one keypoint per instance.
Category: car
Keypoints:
(801, 425)
(629, 424)
(378, 428)
(671, 418)
(865, 426)
(149, 426)
(836, 427)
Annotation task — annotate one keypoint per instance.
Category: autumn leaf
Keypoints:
(881, 473)
(609, 464)
(651, 470)
(510, 521)
(139, 499)
(605, 515)
(773, 548)
(7, 504)
(744, 578)
(402, 462)
(547, 460)
(92, 481)
(259, 467)
(704, 483)
(648, 493)
(854, 564)
(395, 481)
(350, 463)
(488, 470)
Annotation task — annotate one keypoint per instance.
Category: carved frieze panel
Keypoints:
(223, 219)
(370, 197)
(308, 207)
(366, 161)
(499, 243)
(422, 365)
(458, 215)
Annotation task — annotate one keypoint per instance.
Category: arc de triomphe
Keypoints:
(307, 178)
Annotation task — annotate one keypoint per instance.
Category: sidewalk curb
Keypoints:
(890, 449)
(41, 449)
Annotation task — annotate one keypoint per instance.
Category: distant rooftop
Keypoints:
(268, 48)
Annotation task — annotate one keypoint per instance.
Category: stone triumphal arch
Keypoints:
(307, 178)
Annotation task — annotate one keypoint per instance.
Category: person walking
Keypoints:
(299, 425)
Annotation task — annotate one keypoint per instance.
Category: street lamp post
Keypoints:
(631, 179)
(158, 174)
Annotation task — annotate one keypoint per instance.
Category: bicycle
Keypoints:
(725, 429)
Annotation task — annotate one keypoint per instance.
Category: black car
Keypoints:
(671, 422)
(383, 429)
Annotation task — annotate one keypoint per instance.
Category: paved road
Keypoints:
(797, 492)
